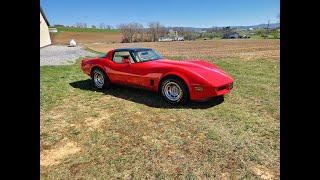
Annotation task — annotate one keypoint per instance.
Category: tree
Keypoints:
(189, 35)
(156, 30)
(81, 25)
(130, 30)
(78, 25)
(59, 25)
(109, 27)
(93, 26)
(102, 26)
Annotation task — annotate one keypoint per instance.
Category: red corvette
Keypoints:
(176, 81)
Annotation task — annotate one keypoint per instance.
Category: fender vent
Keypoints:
(151, 82)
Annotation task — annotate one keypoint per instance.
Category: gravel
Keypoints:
(62, 55)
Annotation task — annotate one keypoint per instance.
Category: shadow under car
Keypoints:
(143, 96)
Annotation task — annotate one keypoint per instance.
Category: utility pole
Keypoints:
(268, 28)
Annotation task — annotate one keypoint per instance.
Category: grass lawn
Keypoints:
(131, 133)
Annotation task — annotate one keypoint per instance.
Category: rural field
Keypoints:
(126, 133)
(220, 48)
(86, 37)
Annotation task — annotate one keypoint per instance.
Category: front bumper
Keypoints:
(209, 91)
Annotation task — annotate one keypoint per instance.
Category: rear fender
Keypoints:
(97, 66)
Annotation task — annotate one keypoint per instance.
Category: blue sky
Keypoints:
(188, 13)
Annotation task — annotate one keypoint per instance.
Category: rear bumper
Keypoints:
(209, 92)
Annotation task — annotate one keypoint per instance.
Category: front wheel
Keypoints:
(174, 91)
(100, 80)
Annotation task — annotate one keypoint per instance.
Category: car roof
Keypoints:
(132, 49)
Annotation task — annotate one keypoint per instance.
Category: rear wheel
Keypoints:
(174, 91)
(100, 80)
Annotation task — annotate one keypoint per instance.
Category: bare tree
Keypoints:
(78, 25)
(108, 27)
(189, 35)
(130, 31)
(163, 31)
(81, 25)
(268, 25)
(102, 26)
(139, 35)
(155, 29)
(181, 31)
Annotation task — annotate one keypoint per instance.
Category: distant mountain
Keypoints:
(259, 26)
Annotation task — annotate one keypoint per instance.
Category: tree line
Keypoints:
(135, 32)
(84, 25)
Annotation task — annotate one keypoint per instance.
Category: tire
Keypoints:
(100, 80)
(174, 91)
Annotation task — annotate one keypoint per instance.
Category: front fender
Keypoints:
(178, 74)
(190, 78)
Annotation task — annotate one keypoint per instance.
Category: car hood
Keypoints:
(208, 71)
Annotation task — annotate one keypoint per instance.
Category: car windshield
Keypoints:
(146, 55)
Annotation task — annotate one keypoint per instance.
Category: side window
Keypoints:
(118, 57)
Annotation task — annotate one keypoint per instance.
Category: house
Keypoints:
(173, 33)
(165, 38)
(231, 35)
(171, 36)
(45, 39)
(53, 30)
(180, 38)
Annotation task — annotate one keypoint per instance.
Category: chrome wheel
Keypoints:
(172, 91)
(98, 79)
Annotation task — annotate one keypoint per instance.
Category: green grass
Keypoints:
(74, 29)
(93, 51)
(131, 133)
(271, 34)
(267, 37)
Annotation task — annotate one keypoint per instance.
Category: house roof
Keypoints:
(44, 16)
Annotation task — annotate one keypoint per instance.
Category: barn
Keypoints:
(45, 39)
(231, 35)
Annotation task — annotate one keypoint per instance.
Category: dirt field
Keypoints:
(241, 48)
(86, 37)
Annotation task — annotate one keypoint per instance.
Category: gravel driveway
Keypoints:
(62, 55)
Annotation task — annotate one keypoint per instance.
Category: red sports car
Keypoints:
(176, 81)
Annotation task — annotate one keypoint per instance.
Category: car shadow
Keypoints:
(146, 97)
